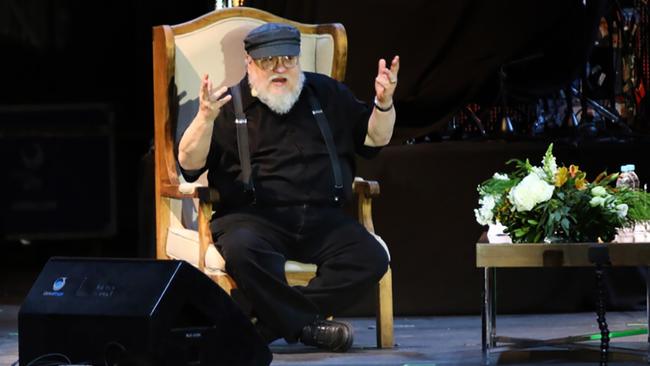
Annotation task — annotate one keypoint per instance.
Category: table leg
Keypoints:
(488, 313)
(484, 320)
(492, 278)
(647, 307)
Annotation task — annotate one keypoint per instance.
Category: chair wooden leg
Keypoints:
(385, 311)
(162, 226)
(225, 282)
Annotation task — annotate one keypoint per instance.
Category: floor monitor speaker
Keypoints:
(133, 312)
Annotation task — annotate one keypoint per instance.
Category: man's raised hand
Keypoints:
(386, 81)
(210, 100)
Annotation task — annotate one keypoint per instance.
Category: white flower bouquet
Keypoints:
(550, 204)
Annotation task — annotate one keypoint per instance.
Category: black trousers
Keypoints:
(257, 241)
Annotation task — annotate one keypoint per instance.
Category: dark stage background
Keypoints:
(451, 51)
(60, 57)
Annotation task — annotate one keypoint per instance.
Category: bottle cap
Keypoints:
(627, 168)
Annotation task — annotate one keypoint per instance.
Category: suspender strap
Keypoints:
(317, 111)
(241, 124)
(244, 150)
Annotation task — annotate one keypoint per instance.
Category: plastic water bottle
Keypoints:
(628, 178)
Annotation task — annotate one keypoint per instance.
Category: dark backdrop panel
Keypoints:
(56, 192)
(451, 50)
(425, 214)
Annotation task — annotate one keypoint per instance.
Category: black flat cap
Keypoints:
(273, 39)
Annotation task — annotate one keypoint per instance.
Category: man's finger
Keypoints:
(394, 66)
(215, 95)
(203, 90)
(381, 66)
(382, 81)
(387, 73)
(204, 86)
(224, 100)
(389, 78)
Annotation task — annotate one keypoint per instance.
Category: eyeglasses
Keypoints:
(271, 62)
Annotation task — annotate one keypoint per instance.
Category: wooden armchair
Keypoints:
(213, 44)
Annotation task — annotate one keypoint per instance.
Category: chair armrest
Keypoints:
(365, 189)
(204, 194)
(173, 191)
(368, 188)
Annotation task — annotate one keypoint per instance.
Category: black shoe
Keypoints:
(331, 335)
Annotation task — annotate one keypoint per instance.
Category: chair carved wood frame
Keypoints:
(213, 44)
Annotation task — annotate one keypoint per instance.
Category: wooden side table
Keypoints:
(490, 256)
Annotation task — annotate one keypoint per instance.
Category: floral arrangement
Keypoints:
(550, 204)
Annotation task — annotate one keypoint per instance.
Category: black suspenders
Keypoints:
(244, 150)
(241, 124)
(317, 111)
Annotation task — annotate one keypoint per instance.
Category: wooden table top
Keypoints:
(561, 255)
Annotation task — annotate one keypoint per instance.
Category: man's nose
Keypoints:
(279, 67)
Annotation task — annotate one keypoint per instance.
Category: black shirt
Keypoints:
(289, 158)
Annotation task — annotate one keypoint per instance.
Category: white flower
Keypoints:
(539, 172)
(484, 215)
(598, 191)
(621, 210)
(529, 192)
(550, 166)
(500, 176)
(597, 201)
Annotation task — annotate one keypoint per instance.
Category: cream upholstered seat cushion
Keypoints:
(183, 244)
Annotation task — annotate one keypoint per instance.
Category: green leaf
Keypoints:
(521, 232)
(565, 225)
(555, 216)
(532, 222)
(608, 179)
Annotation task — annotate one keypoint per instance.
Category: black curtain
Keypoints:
(452, 50)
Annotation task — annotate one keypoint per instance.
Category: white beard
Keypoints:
(280, 104)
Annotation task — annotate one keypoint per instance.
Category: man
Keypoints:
(289, 207)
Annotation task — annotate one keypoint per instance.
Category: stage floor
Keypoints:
(426, 341)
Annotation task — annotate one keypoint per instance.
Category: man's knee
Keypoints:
(246, 251)
(239, 246)
(375, 259)
(380, 263)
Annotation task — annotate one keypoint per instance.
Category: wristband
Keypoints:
(382, 109)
